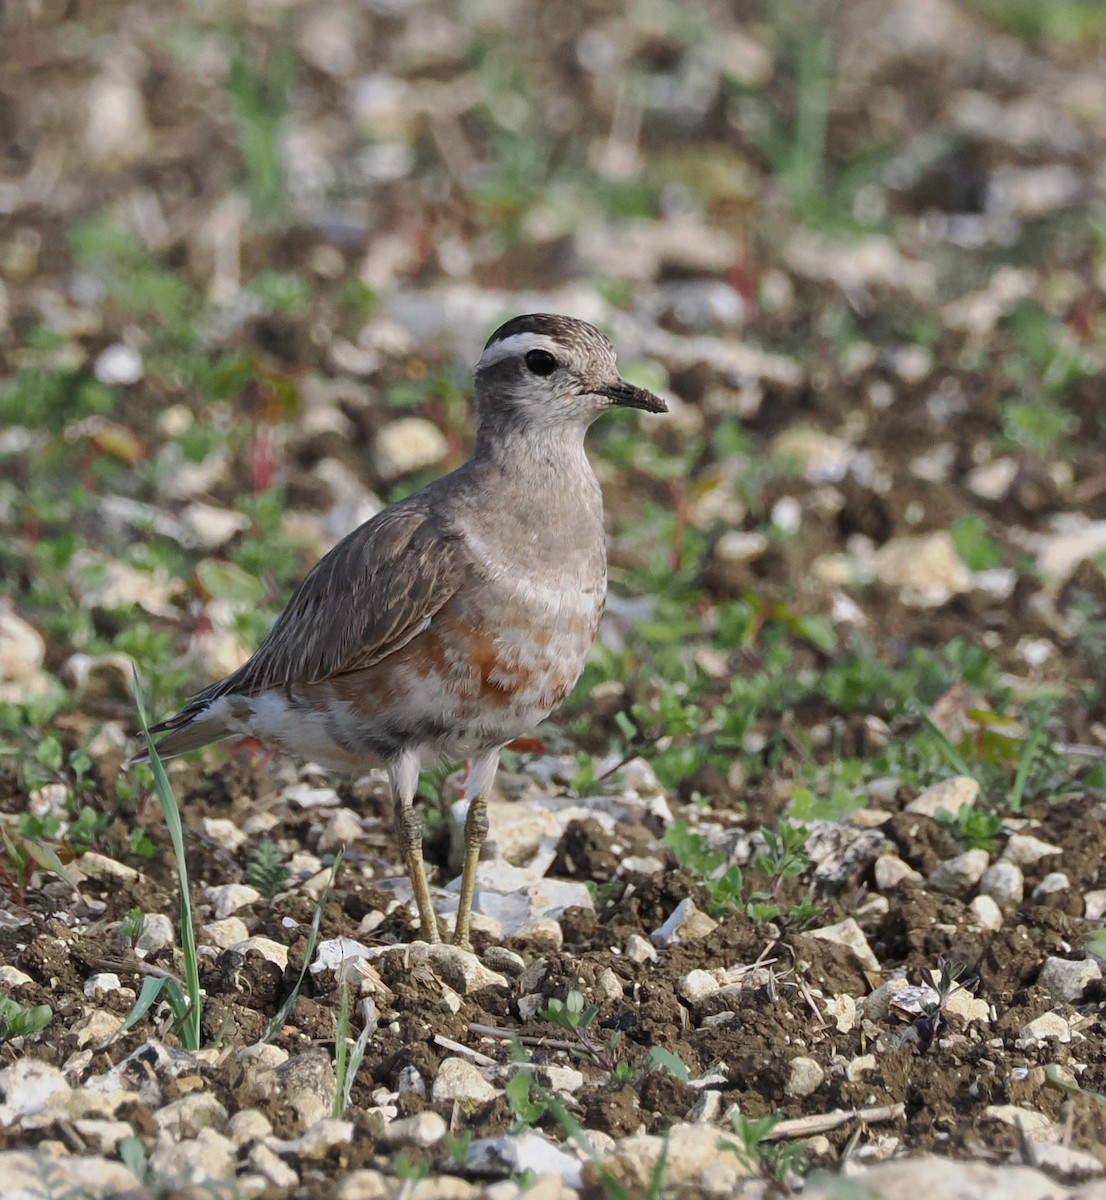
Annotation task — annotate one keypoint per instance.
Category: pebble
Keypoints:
(95, 1027)
(1003, 882)
(184, 1118)
(249, 1125)
(608, 985)
(101, 984)
(638, 950)
(266, 947)
(697, 985)
(407, 445)
(1048, 1025)
(1094, 904)
(99, 866)
(343, 829)
(804, 1076)
(1053, 882)
(949, 796)
(986, 912)
(28, 1086)
(707, 1109)
(87, 1176)
(103, 1135)
(1013, 1115)
(848, 933)
(275, 1170)
(891, 872)
(1024, 850)
(1066, 978)
(230, 897)
(561, 1079)
(694, 1161)
(323, 1136)
(458, 1080)
(459, 968)
(1067, 1161)
(231, 931)
(157, 934)
(858, 1066)
(927, 571)
(207, 1158)
(118, 364)
(13, 977)
(957, 876)
(425, 1129)
(686, 924)
(305, 1083)
(225, 833)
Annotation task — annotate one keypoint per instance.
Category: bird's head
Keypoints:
(548, 370)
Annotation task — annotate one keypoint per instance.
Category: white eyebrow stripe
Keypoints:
(518, 344)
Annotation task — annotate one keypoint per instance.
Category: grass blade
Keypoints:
(190, 1029)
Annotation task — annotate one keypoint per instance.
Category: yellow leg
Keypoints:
(478, 785)
(404, 774)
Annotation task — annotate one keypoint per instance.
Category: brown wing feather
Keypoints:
(378, 588)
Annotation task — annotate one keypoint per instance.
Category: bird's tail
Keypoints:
(194, 726)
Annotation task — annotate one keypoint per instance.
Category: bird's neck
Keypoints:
(540, 455)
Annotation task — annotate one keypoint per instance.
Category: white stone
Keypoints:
(949, 796)
(323, 1136)
(686, 924)
(104, 869)
(1067, 1162)
(1024, 850)
(459, 968)
(249, 1125)
(459, 1080)
(184, 1118)
(822, 458)
(230, 931)
(848, 933)
(118, 364)
(1053, 882)
(28, 1086)
(1003, 882)
(697, 985)
(1066, 978)
(804, 1076)
(1048, 1025)
(694, 1163)
(926, 570)
(100, 985)
(993, 480)
(638, 950)
(342, 829)
(609, 986)
(957, 876)
(423, 1129)
(890, 872)
(409, 444)
(1095, 904)
(213, 527)
(224, 833)
(230, 897)
(986, 912)
(1013, 1115)
(157, 934)
(13, 977)
(275, 1170)
(266, 947)
(207, 1158)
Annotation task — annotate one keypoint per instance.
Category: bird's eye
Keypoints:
(541, 362)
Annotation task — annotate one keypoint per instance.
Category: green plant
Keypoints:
(347, 1059)
(780, 1162)
(266, 870)
(132, 924)
(19, 1021)
(21, 857)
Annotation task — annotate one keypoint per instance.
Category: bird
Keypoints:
(455, 619)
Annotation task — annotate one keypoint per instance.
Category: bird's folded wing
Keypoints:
(375, 591)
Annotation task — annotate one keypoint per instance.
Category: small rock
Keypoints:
(927, 571)
(274, 952)
(957, 876)
(1047, 1025)
(323, 1136)
(305, 1082)
(684, 925)
(993, 480)
(507, 962)
(1024, 850)
(1014, 1115)
(859, 1066)
(1003, 882)
(949, 796)
(87, 1176)
(986, 912)
(208, 1158)
(804, 1076)
(249, 1125)
(1053, 882)
(561, 1079)
(638, 950)
(891, 872)
(100, 985)
(407, 445)
(184, 1118)
(104, 869)
(28, 1086)
(423, 1129)
(697, 985)
(1066, 1161)
(103, 1136)
(694, 1163)
(231, 931)
(459, 1080)
(1066, 978)
(118, 364)
(230, 897)
(13, 977)
(1094, 905)
(157, 933)
(275, 1170)
(848, 933)
(608, 985)
(707, 1109)
(225, 833)
(95, 1027)
(459, 968)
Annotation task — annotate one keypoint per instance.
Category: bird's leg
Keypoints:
(477, 786)
(404, 775)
